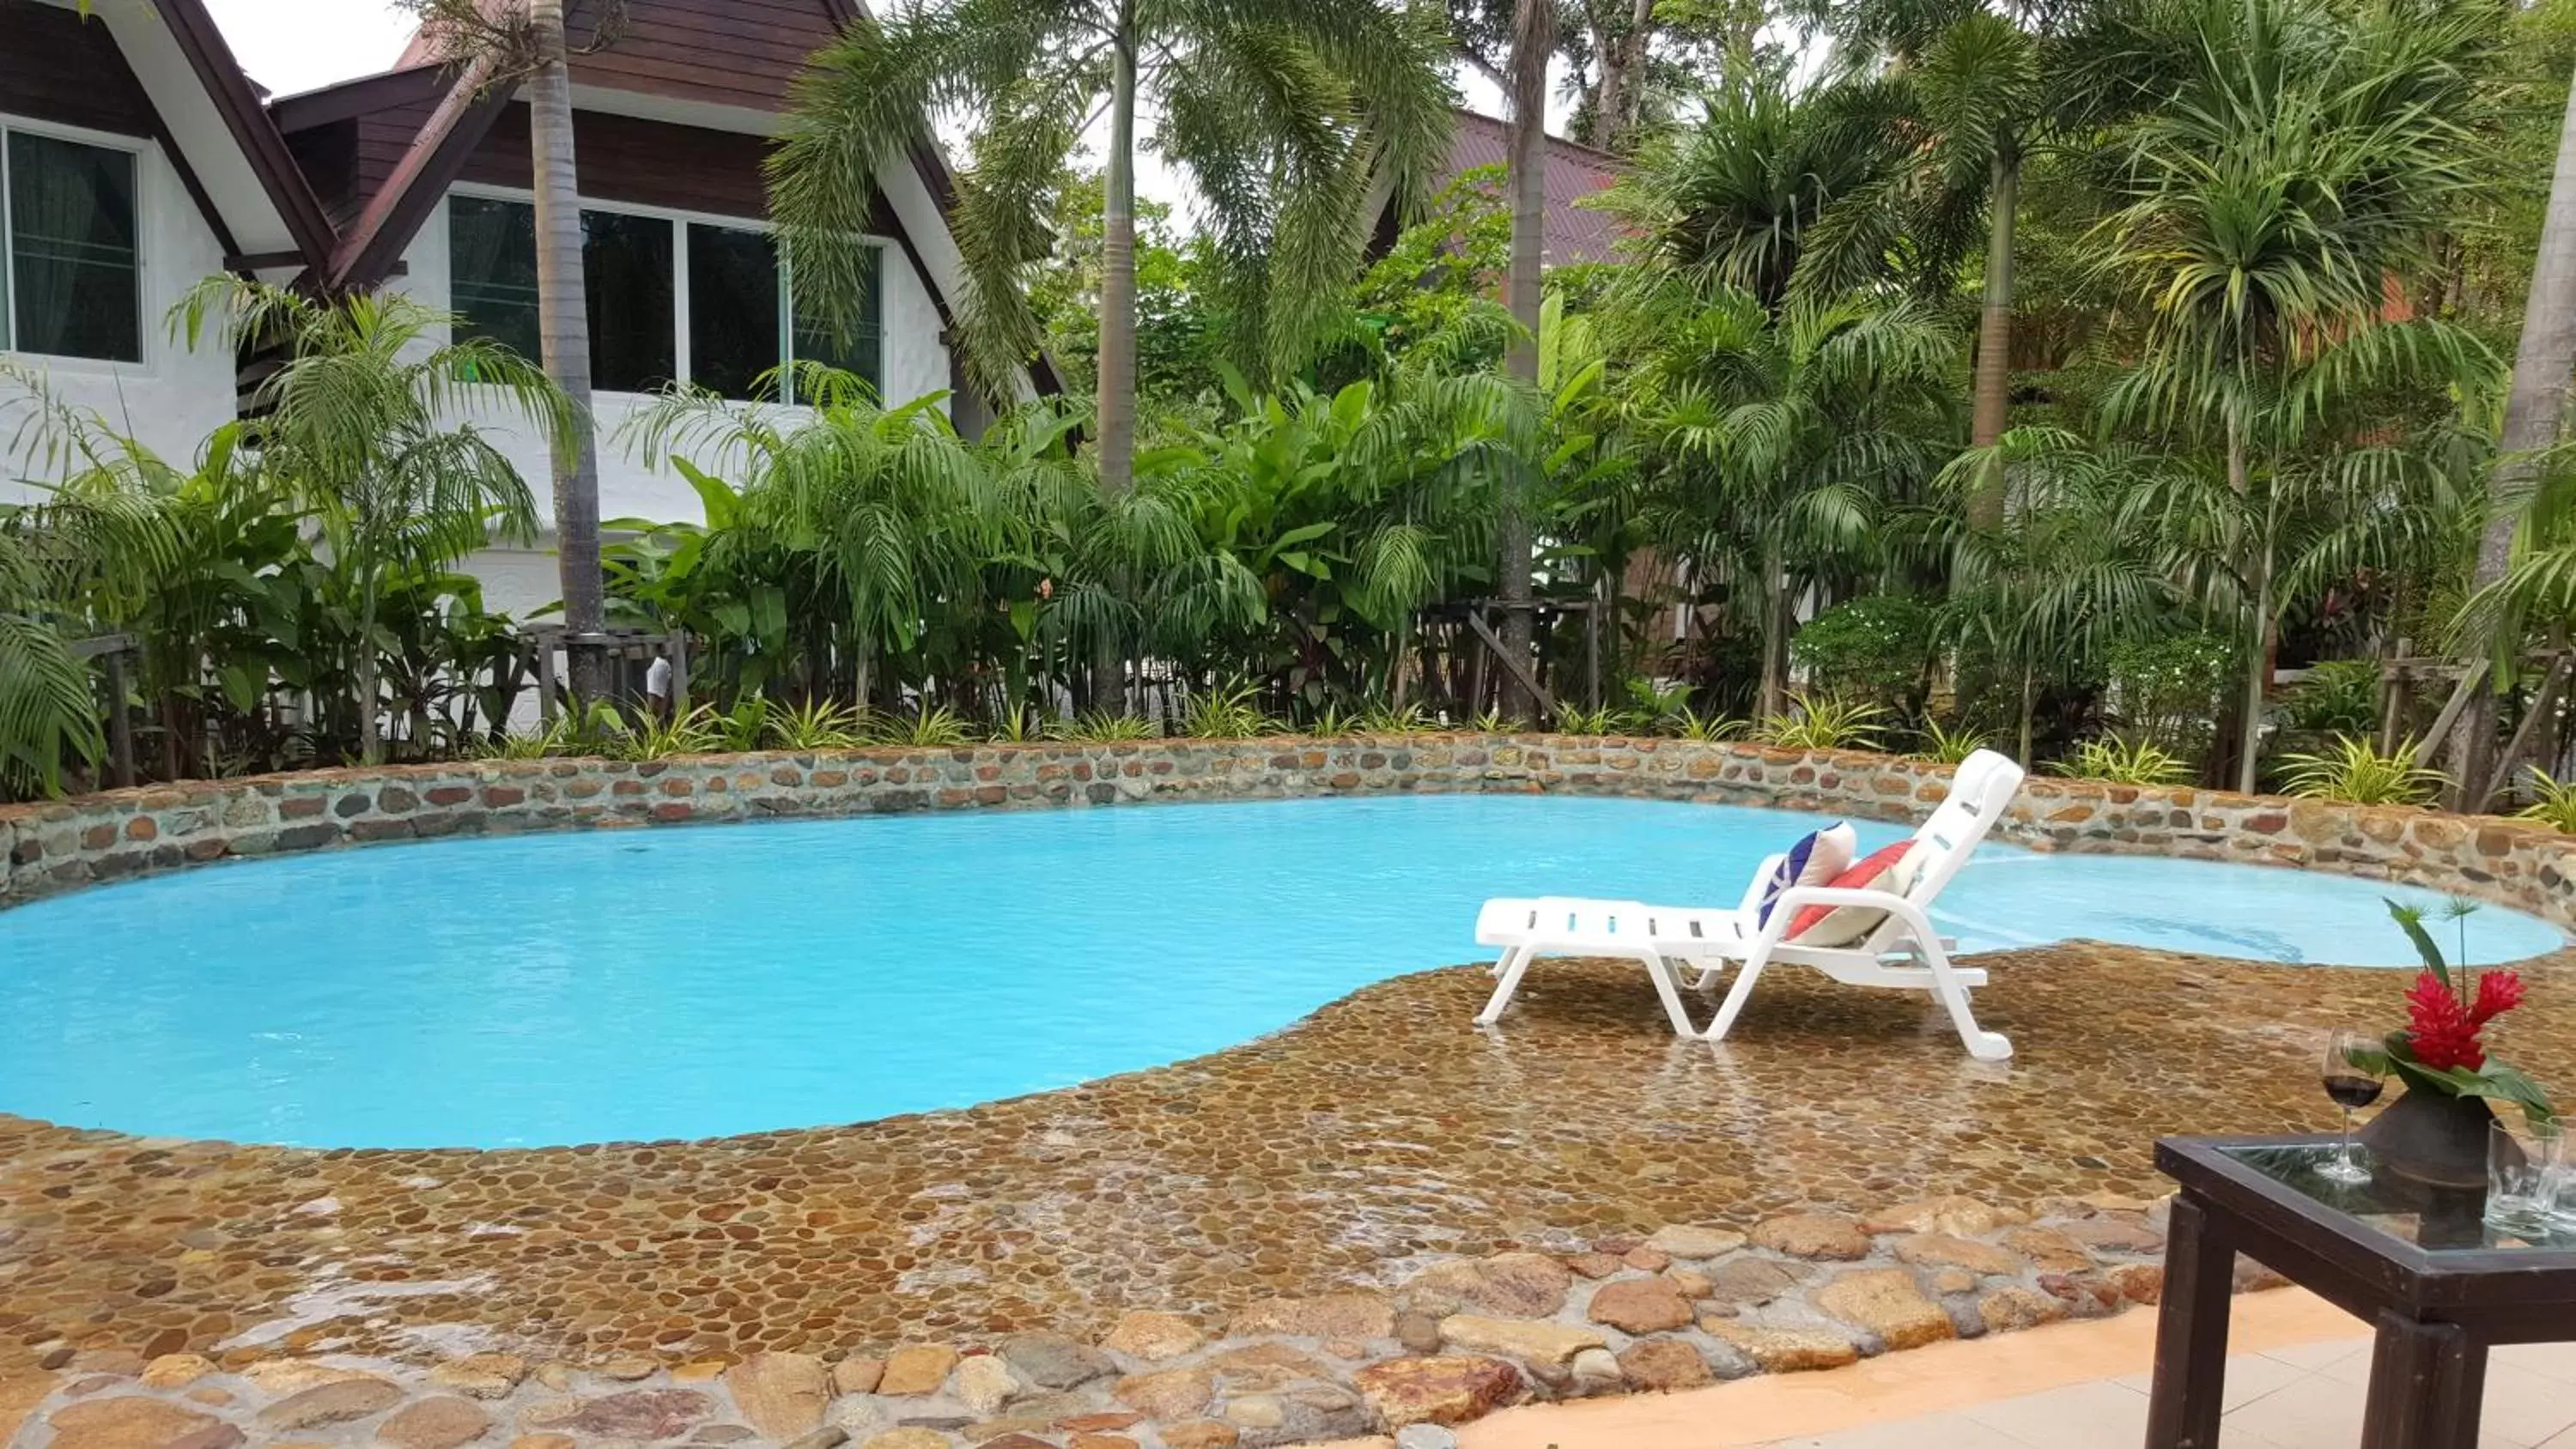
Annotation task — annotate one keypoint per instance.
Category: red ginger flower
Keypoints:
(2439, 1031)
(2498, 993)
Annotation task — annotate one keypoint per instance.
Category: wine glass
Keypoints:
(2351, 1085)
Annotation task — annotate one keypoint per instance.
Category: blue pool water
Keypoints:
(681, 983)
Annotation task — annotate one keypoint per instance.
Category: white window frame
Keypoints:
(681, 220)
(141, 151)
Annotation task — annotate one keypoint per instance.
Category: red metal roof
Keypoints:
(1572, 233)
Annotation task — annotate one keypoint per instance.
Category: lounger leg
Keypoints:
(1985, 1046)
(1515, 962)
(1665, 987)
(1736, 996)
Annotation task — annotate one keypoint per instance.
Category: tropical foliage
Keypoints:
(2051, 375)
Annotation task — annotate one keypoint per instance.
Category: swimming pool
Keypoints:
(605, 985)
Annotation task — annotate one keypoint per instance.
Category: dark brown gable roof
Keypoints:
(55, 66)
(719, 52)
(386, 148)
(65, 67)
(238, 102)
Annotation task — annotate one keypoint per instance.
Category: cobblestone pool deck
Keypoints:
(1377, 1136)
(1380, 1214)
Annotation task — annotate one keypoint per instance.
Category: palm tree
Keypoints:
(79, 561)
(1533, 42)
(2544, 365)
(1736, 197)
(1283, 112)
(506, 46)
(47, 710)
(2049, 592)
(2306, 156)
(1984, 86)
(355, 425)
(1778, 437)
(895, 512)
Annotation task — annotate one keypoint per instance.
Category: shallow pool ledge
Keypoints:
(55, 846)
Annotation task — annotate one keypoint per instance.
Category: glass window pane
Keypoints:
(733, 309)
(634, 339)
(72, 240)
(492, 271)
(860, 346)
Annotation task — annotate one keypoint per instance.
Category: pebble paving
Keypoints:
(1378, 1136)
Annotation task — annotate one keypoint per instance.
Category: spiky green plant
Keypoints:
(1491, 722)
(818, 724)
(1379, 719)
(1226, 712)
(2554, 803)
(1104, 726)
(929, 727)
(1943, 745)
(1606, 720)
(595, 730)
(2115, 761)
(1822, 722)
(695, 733)
(514, 745)
(1332, 720)
(1710, 728)
(745, 726)
(2354, 772)
(1018, 725)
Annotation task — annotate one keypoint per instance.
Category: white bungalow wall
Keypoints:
(519, 581)
(174, 397)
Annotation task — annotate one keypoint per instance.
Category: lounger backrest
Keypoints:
(1981, 789)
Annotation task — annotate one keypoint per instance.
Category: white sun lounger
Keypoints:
(1901, 952)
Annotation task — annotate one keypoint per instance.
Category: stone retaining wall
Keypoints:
(62, 845)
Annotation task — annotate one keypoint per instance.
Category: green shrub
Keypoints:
(1104, 726)
(1017, 725)
(1825, 723)
(1690, 724)
(1227, 712)
(2354, 772)
(2115, 761)
(1607, 720)
(2170, 690)
(1877, 650)
(2338, 697)
(818, 724)
(1378, 719)
(927, 727)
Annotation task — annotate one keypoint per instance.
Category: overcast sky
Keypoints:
(299, 45)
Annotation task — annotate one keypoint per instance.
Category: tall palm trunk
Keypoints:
(1779, 613)
(2258, 668)
(564, 336)
(1993, 407)
(371, 738)
(2543, 365)
(1533, 39)
(1118, 275)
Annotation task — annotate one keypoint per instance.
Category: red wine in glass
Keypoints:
(2351, 1087)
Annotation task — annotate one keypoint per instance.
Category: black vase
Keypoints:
(2433, 1138)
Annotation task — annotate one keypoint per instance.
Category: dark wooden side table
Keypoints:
(2439, 1286)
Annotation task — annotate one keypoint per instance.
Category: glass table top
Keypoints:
(2437, 1220)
